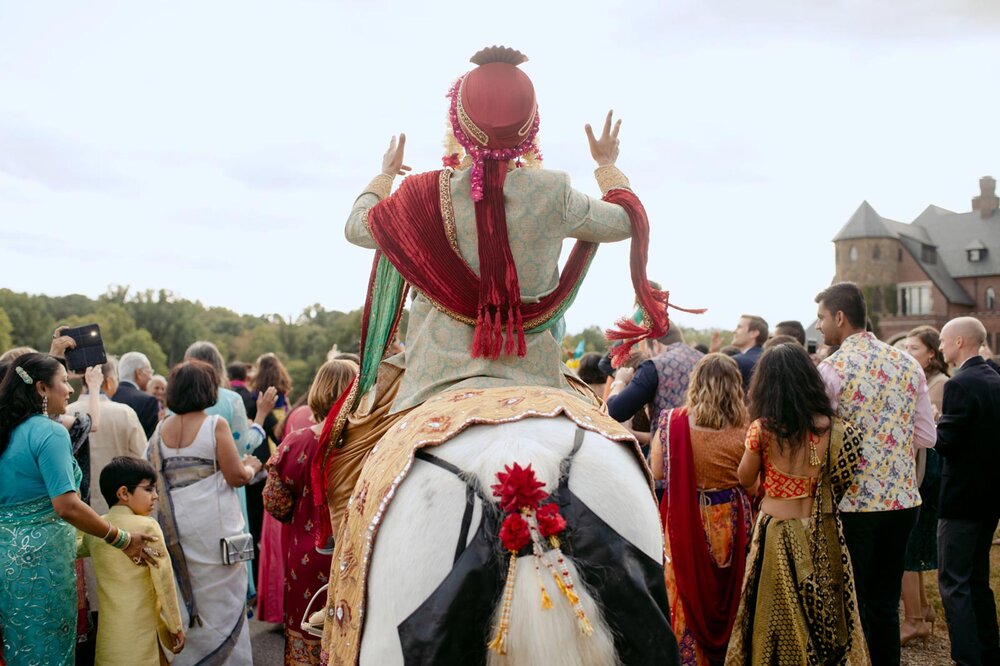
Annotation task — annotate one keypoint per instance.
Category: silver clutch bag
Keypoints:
(237, 548)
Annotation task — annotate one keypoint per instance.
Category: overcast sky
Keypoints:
(215, 148)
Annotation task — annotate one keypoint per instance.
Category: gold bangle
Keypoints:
(380, 186)
(609, 177)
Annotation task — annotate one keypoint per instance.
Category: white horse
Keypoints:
(416, 543)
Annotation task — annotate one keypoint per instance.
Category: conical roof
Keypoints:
(865, 223)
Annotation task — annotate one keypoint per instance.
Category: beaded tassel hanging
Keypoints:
(527, 522)
(560, 572)
(499, 642)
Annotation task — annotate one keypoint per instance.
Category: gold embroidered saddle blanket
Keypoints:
(434, 422)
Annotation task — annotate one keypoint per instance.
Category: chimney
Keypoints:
(986, 203)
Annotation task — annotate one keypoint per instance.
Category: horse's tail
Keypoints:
(551, 636)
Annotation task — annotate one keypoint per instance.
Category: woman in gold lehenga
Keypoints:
(798, 604)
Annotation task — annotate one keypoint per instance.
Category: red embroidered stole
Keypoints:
(409, 229)
(709, 594)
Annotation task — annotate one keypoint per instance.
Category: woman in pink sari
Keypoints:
(273, 536)
(288, 499)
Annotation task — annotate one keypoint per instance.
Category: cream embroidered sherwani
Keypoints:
(542, 211)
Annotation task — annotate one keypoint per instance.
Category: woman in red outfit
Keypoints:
(696, 449)
(287, 497)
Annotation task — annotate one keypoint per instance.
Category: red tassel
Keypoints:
(510, 345)
(479, 337)
(629, 333)
(497, 334)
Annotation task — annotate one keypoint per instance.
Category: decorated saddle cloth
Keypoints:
(435, 422)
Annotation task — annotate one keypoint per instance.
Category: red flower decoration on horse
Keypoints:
(515, 533)
(550, 522)
(518, 488)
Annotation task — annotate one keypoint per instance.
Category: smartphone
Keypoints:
(811, 346)
(89, 348)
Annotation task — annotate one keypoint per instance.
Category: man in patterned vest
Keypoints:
(882, 392)
(661, 381)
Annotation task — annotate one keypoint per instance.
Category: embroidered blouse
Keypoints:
(777, 484)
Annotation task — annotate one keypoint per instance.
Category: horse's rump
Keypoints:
(442, 501)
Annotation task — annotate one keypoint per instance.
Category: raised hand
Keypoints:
(93, 378)
(392, 161)
(266, 400)
(605, 149)
(60, 342)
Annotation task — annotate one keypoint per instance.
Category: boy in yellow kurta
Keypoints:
(140, 619)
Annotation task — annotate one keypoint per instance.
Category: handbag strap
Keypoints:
(312, 602)
(168, 524)
(215, 467)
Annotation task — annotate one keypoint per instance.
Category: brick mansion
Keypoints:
(941, 265)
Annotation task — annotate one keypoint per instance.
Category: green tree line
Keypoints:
(161, 325)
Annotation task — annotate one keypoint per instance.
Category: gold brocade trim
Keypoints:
(609, 177)
(338, 425)
(466, 122)
(436, 421)
(526, 127)
(367, 222)
(380, 186)
(451, 313)
(448, 210)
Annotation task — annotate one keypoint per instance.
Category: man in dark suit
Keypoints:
(968, 439)
(750, 335)
(134, 372)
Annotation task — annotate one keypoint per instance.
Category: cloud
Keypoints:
(56, 161)
(291, 166)
(858, 21)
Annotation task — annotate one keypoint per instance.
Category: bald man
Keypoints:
(968, 439)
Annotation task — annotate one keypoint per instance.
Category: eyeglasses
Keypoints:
(151, 488)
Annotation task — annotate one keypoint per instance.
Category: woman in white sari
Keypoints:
(199, 468)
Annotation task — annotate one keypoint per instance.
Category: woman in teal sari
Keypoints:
(39, 509)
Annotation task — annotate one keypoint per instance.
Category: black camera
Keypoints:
(811, 346)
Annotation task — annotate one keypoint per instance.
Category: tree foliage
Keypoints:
(162, 325)
(6, 342)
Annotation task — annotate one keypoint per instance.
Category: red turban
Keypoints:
(500, 101)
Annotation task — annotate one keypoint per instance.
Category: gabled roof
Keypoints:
(908, 230)
(937, 272)
(955, 233)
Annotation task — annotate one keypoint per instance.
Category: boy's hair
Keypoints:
(124, 471)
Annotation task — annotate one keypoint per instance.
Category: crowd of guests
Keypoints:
(133, 518)
(803, 495)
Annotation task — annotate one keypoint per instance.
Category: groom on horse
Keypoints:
(479, 243)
